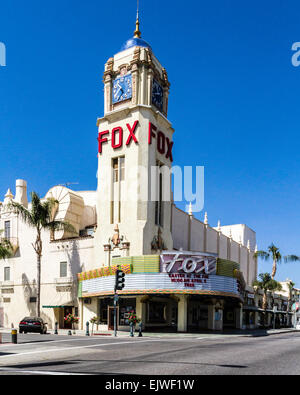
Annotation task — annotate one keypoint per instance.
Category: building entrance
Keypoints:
(230, 315)
(67, 310)
(161, 314)
(111, 318)
(197, 315)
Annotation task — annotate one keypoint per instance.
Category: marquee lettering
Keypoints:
(132, 133)
(163, 144)
(117, 135)
(115, 145)
(102, 140)
(187, 262)
(152, 128)
(169, 149)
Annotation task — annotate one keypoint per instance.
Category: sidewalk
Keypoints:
(202, 335)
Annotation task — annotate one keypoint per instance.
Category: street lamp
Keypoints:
(274, 311)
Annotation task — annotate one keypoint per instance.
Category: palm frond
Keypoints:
(275, 252)
(6, 250)
(262, 254)
(291, 258)
(266, 283)
(256, 283)
(58, 225)
(22, 211)
(274, 285)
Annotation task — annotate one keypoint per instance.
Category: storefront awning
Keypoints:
(60, 300)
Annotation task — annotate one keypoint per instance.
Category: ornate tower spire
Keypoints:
(137, 33)
(205, 219)
(190, 210)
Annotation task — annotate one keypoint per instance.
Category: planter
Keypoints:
(132, 329)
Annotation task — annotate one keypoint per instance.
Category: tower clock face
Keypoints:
(122, 88)
(157, 95)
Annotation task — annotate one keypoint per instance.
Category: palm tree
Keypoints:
(5, 249)
(267, 284)
(290, 297)
(40, 217)
(274, 253)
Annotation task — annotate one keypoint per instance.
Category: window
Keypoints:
(122, 168)
(63, 269)
(125, 307)
(118, 165)
(7, 229)
(103, 310)
(159, 204)
(7, 274)
(115, 170)
(118, 175)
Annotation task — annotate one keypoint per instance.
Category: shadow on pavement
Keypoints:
(41, 364)
(165, 362)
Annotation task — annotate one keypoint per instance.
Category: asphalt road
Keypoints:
(62, 355)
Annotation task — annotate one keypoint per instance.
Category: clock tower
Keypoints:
(135, 142)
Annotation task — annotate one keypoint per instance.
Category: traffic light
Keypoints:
(120, 280)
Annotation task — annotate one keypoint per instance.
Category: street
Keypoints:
(200, 355)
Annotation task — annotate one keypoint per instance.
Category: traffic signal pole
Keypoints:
(119, 285)
(115, 314)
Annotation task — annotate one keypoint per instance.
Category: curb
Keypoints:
(175, 336)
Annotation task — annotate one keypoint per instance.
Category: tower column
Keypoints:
(135, 84)
(149, 86)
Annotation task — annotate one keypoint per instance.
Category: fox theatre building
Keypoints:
(175, 291)
(180, 273)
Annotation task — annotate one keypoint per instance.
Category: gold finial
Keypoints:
(137, 33)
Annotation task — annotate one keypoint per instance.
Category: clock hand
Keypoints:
(118, 91)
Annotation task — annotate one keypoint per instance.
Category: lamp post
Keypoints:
(274, 312)
(116, 298)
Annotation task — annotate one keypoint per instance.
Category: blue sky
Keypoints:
(234, 100)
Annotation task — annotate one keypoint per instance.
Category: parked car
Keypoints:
(33, 324)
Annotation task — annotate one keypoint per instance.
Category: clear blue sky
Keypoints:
(234, 100)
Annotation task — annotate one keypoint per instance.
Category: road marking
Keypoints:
(219, 337)
(47, 342)
(71, 348)
(48, 373)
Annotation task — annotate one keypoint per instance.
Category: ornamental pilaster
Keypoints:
(149, 86)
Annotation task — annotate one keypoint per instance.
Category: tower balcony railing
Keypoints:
(6, 284)
(64, 281)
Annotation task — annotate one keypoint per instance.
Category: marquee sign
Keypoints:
(163, 283)
(188, 262)
(172, 272)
